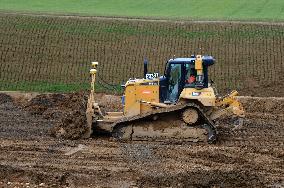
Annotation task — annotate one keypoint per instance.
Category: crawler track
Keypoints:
(169, 126)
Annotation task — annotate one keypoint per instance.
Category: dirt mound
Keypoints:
(47, 104)
(263, 105)
(69, 110)
(73, 125)
(4, 98)
(41, 103)
(52, 105)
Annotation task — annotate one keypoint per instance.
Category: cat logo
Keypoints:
(146, 92)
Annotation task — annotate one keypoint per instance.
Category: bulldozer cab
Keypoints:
(182, 73)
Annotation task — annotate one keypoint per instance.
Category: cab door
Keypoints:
(175, 81)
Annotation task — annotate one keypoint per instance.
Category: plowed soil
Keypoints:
(249, 57)
(252, 156)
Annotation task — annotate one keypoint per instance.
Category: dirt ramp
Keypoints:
(72, 126)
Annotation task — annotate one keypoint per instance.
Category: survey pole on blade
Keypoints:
(91, 106)
(93, 72)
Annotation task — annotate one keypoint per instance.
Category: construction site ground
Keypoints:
(251, 156)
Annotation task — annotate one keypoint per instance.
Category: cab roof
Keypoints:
(183, 59)
(208, 60)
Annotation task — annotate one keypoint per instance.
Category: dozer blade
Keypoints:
(89, 117)
(229, 106)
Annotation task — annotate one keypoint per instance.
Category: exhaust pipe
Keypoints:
(145, 67)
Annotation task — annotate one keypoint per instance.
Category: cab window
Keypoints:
(190, 76)
(174, 82)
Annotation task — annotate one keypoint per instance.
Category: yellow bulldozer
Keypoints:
(181, 105)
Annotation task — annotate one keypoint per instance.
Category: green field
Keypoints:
(168, 9)
(53, 54)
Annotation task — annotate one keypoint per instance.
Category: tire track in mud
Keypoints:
(38, 158)
(254, 133)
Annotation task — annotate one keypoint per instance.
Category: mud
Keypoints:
(252, 156)
(69, 110)
(50, 104)
(4, 98)
(271, 105)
